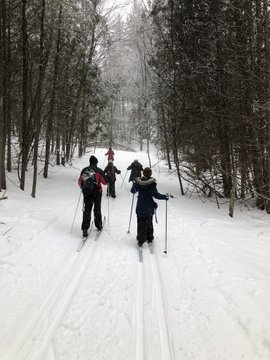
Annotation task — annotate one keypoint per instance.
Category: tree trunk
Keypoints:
(53, 96)
(2, 127)
(165, 133)
(38, 98)
(8, 84)
(3, 93)
(25, 136)
(176, 161)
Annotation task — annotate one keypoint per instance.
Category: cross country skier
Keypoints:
(90, 182)
(145, 209)
(136, 170)
(110, 171)
(110, 154)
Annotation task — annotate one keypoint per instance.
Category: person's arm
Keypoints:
(101, 177)
(130, 167)
(134, 188)
(159, 196)
(80, 178)
(117, 171)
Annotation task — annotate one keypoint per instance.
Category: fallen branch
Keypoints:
(3, 197)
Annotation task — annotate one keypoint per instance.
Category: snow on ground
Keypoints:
(207, 299)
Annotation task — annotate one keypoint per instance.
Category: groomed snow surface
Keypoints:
(208, 298)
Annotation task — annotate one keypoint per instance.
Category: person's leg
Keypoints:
(141, 230)
(113, 189)
(150, 229)
(88, 204)
(110, 187)
(97, 211)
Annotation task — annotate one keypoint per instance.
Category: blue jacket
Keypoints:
(147, 188)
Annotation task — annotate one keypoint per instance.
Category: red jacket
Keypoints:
(100, 177)
(110, 154)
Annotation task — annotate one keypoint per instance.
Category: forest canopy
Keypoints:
(190, 76)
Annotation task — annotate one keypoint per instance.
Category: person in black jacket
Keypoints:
(110, 171)
(136, 170)
(145, 209)
(92, 196)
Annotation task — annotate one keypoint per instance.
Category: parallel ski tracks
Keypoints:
(36, 336)
(165, 338)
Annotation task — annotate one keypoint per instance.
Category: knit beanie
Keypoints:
(93, 160)
(147, 172)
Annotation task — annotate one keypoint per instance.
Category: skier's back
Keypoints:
(136, 170)
(145, 209)
(92, 194)
(110, 154)
(110, 171)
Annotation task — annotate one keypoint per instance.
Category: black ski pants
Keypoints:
(89, 202)
(111, 188)
(145, 230)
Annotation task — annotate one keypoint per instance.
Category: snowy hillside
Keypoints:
(207, 299)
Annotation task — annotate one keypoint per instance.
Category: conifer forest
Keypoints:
(191, 77)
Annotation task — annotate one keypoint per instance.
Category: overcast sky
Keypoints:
(122, 7)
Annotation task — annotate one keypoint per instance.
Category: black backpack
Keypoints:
(110, 172)
(89, 184)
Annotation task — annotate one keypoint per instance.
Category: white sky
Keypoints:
(118, 7)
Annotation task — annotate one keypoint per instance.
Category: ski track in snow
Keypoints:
(35, 338)
(157, 299)
(103, 304)
(231, 310)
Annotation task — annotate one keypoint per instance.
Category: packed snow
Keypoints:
(206, 299)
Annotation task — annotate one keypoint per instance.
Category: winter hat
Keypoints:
(93, 160)
(147, 172)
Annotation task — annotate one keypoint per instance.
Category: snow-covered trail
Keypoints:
(207, 299)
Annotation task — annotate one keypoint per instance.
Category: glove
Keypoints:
(167, 197)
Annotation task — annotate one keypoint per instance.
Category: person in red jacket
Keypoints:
(110, 154)
(90, 181)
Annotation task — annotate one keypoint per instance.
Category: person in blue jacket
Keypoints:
(145, 209)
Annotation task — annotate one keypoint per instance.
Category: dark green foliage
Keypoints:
(212, 91)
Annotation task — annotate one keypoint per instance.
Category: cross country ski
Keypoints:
(140, 251)
(84, 238)
(100, 231)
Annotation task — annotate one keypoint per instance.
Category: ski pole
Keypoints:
(108, 196)
(156, 216)
(166, 228)
(76, 211)
(123, 179)
(130, 213)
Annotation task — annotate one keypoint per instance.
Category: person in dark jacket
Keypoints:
(145, 209)
(136, 170)
(110, 171)
(92, 197)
